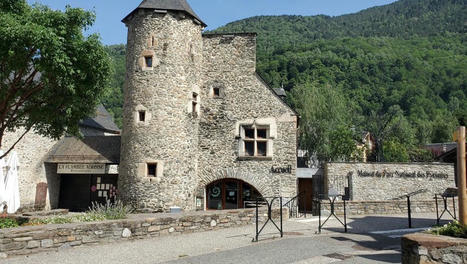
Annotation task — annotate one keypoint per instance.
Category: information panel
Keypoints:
(81, 169)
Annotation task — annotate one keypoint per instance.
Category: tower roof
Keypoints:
(173, 5)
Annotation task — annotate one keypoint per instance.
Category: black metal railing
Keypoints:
(269, 204)
(449, 193)
(332, 200)
(294, 205)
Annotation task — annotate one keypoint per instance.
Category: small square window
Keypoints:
(148, 61)
(152, 170)
(217, 92)
(142, 116)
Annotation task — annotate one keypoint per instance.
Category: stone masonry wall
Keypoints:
(32, 151)
(386, 181)
(387, 207)
(422, 248)
(29, 240)
(230, 64)
(169, 136)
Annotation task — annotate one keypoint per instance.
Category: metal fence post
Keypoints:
(282, 232)
(345, 217)
(257, 216)
(319, 215)
(409, 211)
(437, 210)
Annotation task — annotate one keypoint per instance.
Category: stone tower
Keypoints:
(159, 154)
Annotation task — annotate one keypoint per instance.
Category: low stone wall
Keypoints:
(425, 248)
(386, 207)
(29, 240)
(387, 181)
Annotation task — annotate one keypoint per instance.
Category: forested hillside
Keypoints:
(398, 71)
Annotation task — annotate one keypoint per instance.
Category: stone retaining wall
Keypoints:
(387, 181)
(386, 207)
(426, 248)
(34, 239)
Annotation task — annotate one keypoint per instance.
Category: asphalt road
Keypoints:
(371, 239)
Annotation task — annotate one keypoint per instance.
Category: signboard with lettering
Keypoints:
(287, 169)
(402, 174)
(81, 169)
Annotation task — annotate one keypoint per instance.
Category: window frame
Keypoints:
(256, 139)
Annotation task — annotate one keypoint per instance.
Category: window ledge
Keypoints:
(255, 158)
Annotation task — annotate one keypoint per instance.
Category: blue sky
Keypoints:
(215, 13)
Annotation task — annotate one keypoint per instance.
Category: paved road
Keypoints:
(371, 239)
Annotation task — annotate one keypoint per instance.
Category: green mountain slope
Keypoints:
(403, 19)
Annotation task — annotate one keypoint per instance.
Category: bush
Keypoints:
(8, 223)
(109, 210)
(453, 229)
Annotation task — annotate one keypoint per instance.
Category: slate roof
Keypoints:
(173, 5)
(98, 149)
(103, 120)
(280, 92)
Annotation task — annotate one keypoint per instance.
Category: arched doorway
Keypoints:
(230, 194)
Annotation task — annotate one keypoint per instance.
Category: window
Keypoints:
(194, 104)
(152, 169)
(142, 116)
(255, 141)
(216, 92)
(148, 61)
(153, 41)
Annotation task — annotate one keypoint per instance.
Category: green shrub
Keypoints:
(453, 229)
(51, 220)
(109, 210)
(8, 223)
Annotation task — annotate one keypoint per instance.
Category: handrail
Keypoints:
(294, 198)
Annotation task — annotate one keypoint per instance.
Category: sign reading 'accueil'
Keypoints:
(81, 169)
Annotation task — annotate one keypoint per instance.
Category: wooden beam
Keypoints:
(461, 175)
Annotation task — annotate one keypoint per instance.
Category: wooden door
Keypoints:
(305, 202)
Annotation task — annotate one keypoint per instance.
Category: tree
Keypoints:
(51, 76)
(324, 126)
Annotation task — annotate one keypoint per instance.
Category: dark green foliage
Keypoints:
(8, 223)
(453, 229)
(51, 76)
(402, 19)
(114, 99)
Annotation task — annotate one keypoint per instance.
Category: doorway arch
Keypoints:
(230, 193)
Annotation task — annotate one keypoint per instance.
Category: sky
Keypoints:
(214, 13)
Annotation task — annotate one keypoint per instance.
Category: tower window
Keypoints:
(216, 92)
(153, 41)
(152, 170)
(195, 105)
(142, 116)
(148, 61)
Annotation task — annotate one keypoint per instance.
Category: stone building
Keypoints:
(201, 129)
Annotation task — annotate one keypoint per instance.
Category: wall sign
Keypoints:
(402, 174)
(81, 169)
(287, 169)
